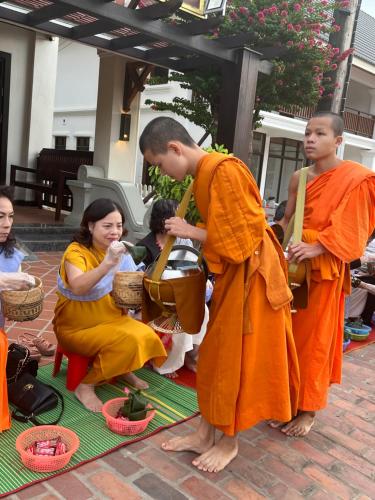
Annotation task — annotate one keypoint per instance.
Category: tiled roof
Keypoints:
(364, 39)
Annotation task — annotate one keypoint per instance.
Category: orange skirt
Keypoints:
(4, 408)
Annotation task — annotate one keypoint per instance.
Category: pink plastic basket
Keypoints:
(39, 463)
(123, 427)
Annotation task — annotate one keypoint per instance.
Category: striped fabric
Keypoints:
(173, 403)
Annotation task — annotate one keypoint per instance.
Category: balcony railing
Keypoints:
(356, 122)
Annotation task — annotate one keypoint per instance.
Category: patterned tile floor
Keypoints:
(335, 461)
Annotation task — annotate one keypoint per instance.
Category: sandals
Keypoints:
(37, 345)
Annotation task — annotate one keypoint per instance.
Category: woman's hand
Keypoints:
(302, 251)
(114, 253)
(16, 281)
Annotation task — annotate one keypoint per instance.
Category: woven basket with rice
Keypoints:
(23, 305)
(127, 289)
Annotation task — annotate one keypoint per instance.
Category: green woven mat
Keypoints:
(173, 403)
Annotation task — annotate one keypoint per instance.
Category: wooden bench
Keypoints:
(53, 168)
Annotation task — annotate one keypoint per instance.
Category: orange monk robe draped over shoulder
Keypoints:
(4, 409)
(247, 368)
(340, 214)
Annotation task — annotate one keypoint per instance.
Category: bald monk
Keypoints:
(247, 368)
(338, 219)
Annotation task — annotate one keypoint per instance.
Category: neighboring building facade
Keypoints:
(277, 145)
(53, 100)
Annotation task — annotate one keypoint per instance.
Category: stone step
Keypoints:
(19, 229)
(43, 238)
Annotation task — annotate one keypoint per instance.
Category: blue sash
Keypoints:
(103, 286)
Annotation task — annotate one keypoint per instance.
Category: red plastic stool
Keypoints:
(77, 367)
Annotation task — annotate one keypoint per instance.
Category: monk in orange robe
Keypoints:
(247, 368)
(4, 409)
(338, 219)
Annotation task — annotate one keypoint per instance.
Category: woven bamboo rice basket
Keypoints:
(23, 305)
(127, 289)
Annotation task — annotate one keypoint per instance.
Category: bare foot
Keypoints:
(171, 375)
(199, 442)
(190, 363)
(275, 424)
(86, 395)
(219, 456)
(135, 381)
(300, 426)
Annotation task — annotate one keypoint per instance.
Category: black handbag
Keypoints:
(30, 397)
(19, 362)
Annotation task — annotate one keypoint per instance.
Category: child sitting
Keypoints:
(182, 348)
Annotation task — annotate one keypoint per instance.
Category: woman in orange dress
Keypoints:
(86, 319)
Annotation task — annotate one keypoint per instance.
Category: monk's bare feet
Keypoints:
(301, 425)
(275, 424)
(190, 363)
(219, 456)
(135, 381)
(86, 395)
(171, 375)
(199, 442)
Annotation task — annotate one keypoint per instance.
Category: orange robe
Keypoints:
(247, 368)
(4, 409)
(340, 214)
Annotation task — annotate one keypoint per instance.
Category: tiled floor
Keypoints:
(335, 461)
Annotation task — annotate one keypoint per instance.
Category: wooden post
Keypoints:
(237, 103)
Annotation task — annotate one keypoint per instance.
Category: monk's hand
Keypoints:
(302, 251)
(175, 226)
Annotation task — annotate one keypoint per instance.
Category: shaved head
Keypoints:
(159, 132)
(336, 121)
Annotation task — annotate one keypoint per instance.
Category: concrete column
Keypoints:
(372, 107)
(262, 183)
(117, 158)
(42, 83)
(368, 159)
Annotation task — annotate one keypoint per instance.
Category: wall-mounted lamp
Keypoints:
(125, 127)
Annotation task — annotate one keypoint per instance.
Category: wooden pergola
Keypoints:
(140, 33)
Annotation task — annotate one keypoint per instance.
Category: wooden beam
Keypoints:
(95, 28)
(126, 42)
(271, 52)
(202, 26)
(154, 55)
(160, 10)
(235, 41)
(191, 63)
(156, 29)
(45, 14)
(237, 104)
(134, 82)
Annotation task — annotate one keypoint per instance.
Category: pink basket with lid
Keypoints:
(124, 427)
(41, 463)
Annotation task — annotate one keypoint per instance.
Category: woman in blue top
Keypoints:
(10, 279)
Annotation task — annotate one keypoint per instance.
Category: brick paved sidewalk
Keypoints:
(336, 460)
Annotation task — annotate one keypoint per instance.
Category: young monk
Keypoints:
(247, 367)
(339, 217)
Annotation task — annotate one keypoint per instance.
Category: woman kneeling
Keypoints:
(87, 321)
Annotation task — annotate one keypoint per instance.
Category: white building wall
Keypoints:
(32, 90)
(76, 100)
(76, 92)
(20, 44)
(358, 97)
